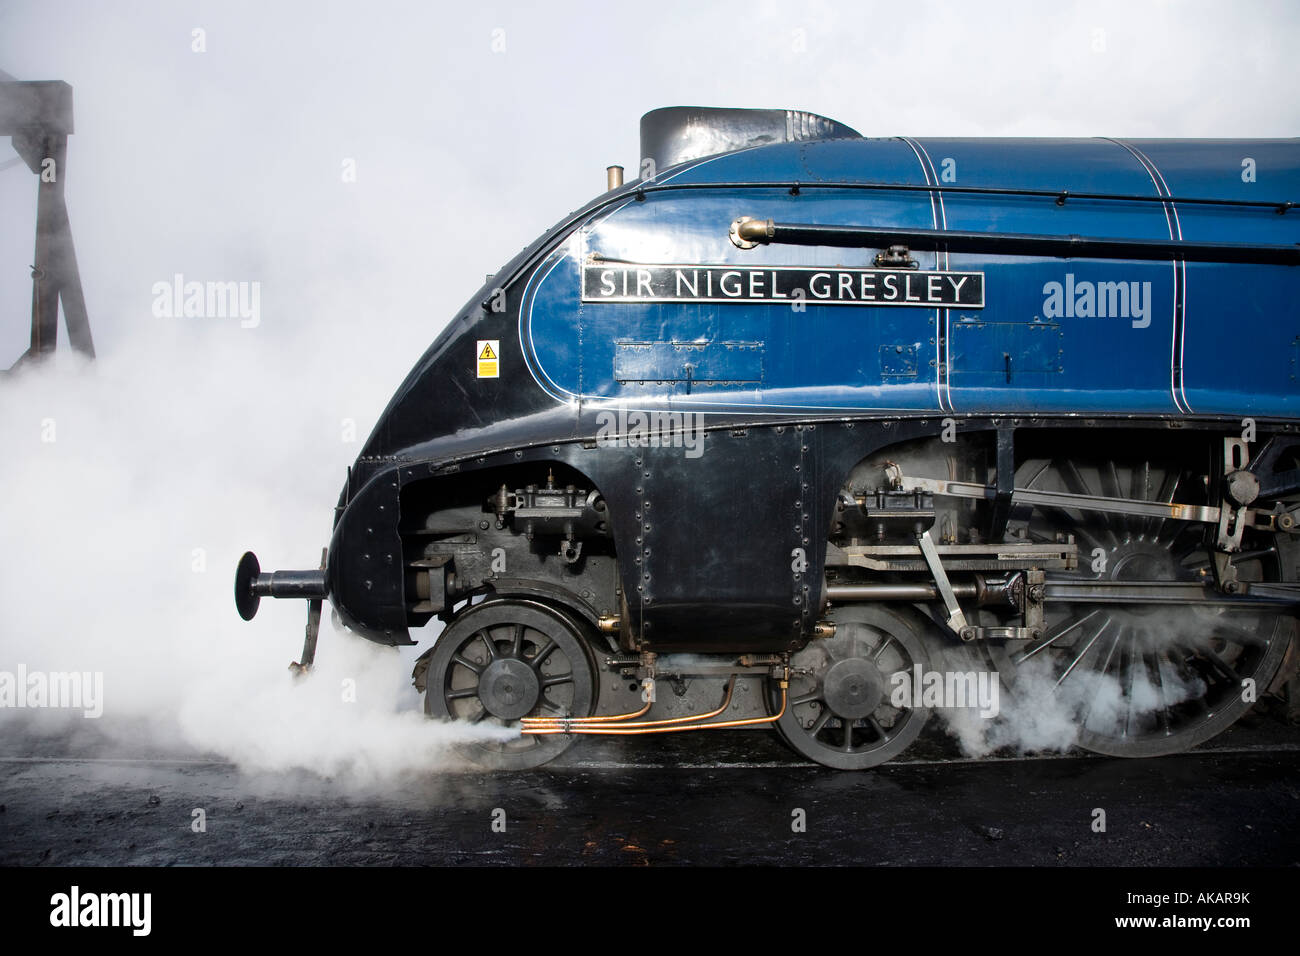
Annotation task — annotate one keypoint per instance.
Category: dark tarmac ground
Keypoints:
(705, 798)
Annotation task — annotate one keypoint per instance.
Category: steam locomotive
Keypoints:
(799, 412)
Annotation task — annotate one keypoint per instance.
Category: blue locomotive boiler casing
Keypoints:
(801, 358)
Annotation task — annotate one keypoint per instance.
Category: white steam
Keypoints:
(131, 486)
(1038, 715)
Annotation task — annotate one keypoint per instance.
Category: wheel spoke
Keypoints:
(1074, 478)
(875, 725)
(847, 745)
(1105, 666)
(462, 694)
(1109, 480)
(1190, 666)
(889, 639)
(467, 663)
(1047, 641)
(1220, 664)
(820, 722)
(1252, 555)
(488, 643)
(517, 649)
(1239, 634)
(806, 698)
(1197, 662)
(1110, 487)
(1029, 483)
(558, 679)
(1110, 652)
(1087, 647)
(1140, 486)
(1079, 485)
(1129, 675)
(1232, 559)
(542, 653)
(1152, 662)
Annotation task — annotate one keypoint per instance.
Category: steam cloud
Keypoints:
(132, 486)
(1037, 716)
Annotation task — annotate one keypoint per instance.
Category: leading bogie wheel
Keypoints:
(506, 659)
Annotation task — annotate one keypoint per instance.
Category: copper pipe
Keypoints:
(609, 718)
(611, 731)
(553, 722)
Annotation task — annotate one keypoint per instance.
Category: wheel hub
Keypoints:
(853, 688)
(1142, 561)
(508, 689)
(1134, 561)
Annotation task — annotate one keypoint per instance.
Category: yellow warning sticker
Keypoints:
(488, 363)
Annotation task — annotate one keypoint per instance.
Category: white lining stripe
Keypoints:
(946, 313)
(1181, 266)
(935, 212)
(1175, 231)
